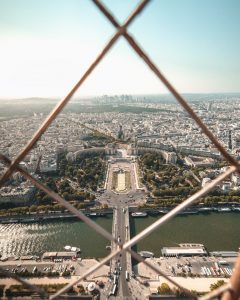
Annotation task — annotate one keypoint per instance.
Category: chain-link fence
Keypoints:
(229, 291)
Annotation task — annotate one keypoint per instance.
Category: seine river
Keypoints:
(217, 231)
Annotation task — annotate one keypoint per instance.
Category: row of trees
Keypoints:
(88, 172)
(166, 180)
(170, 184)
(76, 180)
(164, 289)
(21, 210)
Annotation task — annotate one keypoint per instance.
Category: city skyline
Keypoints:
(46, 48)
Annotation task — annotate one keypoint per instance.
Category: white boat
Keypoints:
(93, 214)
(146, 254)
(236, 208)
(72, 249)
(67, 248)
(139, 214)
(224, 209)
(75, 249)
(204, 209)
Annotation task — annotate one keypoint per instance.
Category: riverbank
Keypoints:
(217, 231)
(34, 217)
(58, 215)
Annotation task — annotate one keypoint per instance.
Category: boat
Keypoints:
(93, 215)
(72, 249)
(236, 209)
(146, 254)
(139, 214)
(96, 214)
(224, 209)
(205, 209)
(75, 249)
(4, 221)
(163, 211)
(108, 247)
(191, 245)
(188, 212)
(30, 220)
(12, 221)
(67, 248)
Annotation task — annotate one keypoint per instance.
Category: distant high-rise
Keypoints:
(230, 139)
(120, 133)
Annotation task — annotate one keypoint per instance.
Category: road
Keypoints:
(121, 230)
(120, 202)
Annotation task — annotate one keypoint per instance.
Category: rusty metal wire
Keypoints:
(234, 292)
(234, 286)
(218, 292)
(58, 108)
(168, 85)
(25, 283)
(94, 226)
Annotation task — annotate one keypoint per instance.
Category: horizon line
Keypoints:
(114, 95)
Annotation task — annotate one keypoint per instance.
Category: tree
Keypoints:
(81, 289)
(65, 195)
(216, 285)
(164, 289)
(32, 208)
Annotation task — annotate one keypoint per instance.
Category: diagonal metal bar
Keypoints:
(216, 293)
(25, 283)
(147, 231)
(160, 272)
(185, 105)
(58, 108)
(234, 292)
(86, 274)
(207, 188)
(63, 202)
(106, 260)
(168, 85)
(92, 224)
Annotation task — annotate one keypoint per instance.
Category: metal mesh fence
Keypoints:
(229, 291)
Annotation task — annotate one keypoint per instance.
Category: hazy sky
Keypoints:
(45, 46)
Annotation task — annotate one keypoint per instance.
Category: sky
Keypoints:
(46, 46)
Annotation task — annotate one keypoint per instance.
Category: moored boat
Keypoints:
(188, 212)
(224, 209)
(139, 214)
(146, 254)
(72, 249)
(75, 249)
(205, 209)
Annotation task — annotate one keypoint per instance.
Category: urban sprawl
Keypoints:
(136, 144)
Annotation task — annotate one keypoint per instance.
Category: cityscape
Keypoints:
(124, 170)
(119, 150)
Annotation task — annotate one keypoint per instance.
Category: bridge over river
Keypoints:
(120, 196)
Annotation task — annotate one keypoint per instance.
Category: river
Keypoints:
(217, 231)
